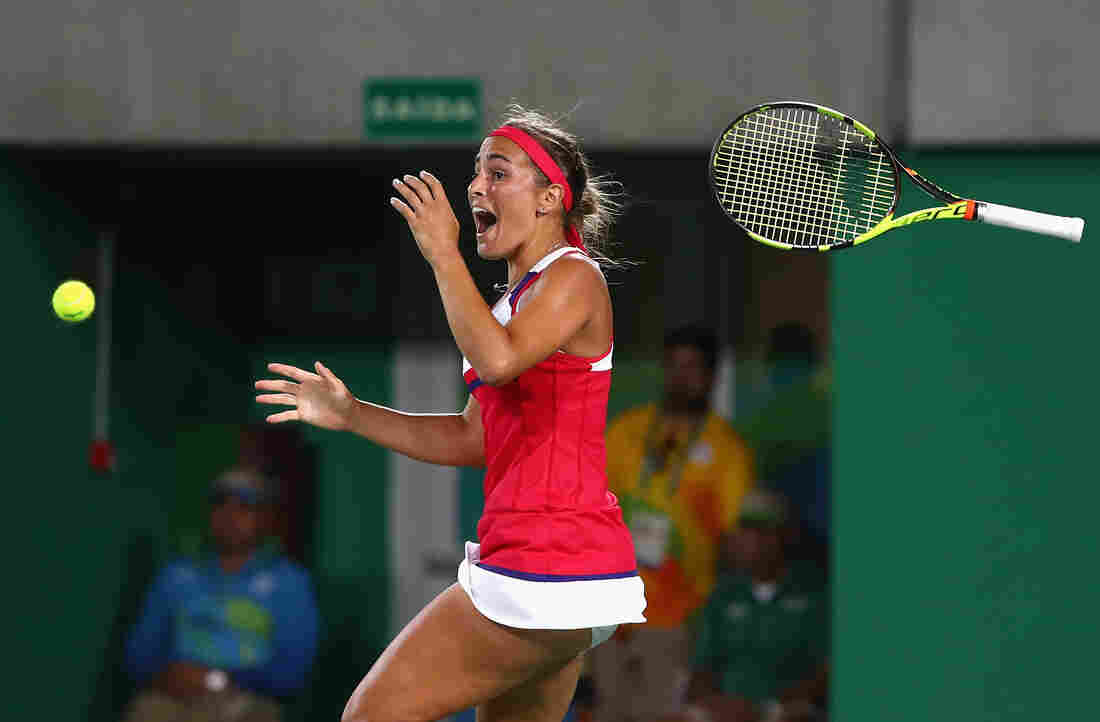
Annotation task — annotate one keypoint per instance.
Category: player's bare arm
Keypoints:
(434, 227)
(559, 307)
(567, 308)
(323, 400)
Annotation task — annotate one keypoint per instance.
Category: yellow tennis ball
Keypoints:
(73, 301)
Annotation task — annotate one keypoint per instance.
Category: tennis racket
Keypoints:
(800, 176)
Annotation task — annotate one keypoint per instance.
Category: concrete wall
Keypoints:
(647, 71)
(994, 70)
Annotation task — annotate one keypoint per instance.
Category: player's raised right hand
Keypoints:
(318, 398)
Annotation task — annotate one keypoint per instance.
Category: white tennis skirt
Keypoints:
(538, 603)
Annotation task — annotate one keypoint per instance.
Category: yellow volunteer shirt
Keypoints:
(678, 508)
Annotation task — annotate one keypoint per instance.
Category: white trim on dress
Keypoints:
(526, 604)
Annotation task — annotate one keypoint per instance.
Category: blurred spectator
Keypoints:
(226, 637)
(679, 471)
(791, 435)
(761, 655)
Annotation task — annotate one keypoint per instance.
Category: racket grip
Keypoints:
(1009, 217)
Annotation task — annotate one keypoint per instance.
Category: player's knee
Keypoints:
(358, 707)
(359, 713)
(367, 707)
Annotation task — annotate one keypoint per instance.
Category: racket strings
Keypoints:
(802, 178)
(793, 186)
(789, 190)
(758, 184)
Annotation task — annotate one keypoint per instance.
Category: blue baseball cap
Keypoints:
(248, 486)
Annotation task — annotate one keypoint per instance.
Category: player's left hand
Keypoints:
(429, 214)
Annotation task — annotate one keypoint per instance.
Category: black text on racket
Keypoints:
(799, 175)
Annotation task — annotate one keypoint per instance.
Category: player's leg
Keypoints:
(543, 699)
(450, 658)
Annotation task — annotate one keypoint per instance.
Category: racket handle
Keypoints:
(1009, 217)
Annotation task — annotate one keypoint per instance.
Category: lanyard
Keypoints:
(677, 456)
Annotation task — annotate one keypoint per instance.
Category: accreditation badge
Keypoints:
(652, 532)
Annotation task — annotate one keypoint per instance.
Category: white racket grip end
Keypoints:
(1009, 217)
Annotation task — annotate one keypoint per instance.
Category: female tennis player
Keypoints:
(555, 570)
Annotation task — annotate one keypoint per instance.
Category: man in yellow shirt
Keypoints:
(680, 471)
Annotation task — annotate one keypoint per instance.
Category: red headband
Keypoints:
(546, 164)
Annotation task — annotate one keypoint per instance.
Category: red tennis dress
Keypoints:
(554, 551)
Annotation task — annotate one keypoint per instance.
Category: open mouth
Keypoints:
(484, 220)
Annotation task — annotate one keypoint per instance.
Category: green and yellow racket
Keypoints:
(801, 176)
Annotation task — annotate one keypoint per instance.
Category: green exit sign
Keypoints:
(422, 108)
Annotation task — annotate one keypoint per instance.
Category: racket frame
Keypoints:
(952, 207)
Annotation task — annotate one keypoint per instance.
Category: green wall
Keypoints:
(965, 481)
(85, 545)
(52, 499)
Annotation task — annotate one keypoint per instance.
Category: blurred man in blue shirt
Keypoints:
(226, 637)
